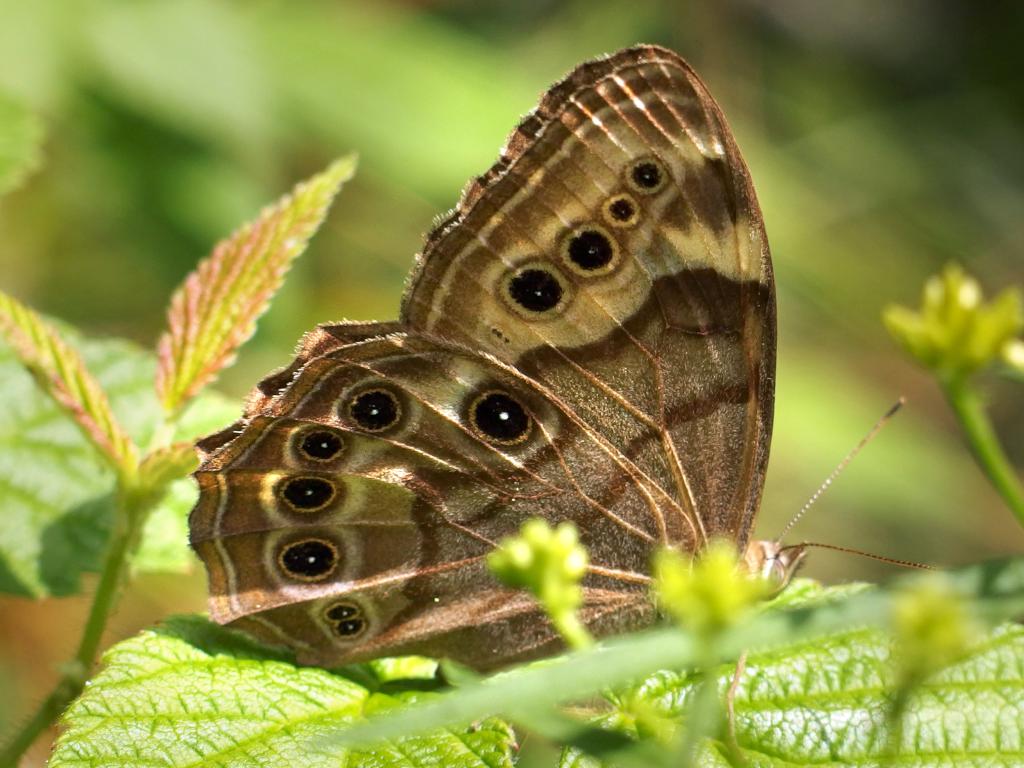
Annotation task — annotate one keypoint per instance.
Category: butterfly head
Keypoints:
(774, 562)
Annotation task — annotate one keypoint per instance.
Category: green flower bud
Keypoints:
(956, 332)
(708, 594)
(549, 563)
(642, 717)
(933, 627)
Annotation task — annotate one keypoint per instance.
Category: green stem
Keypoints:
(970, 411)
(894, 722)
(704, 712)
(572, 630)
(130, 514)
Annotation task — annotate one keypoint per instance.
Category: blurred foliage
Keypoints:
(884, 140)
(21, 134)
(933, 626)
(58, 502)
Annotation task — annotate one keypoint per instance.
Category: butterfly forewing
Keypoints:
(616, 254)
(589, 337)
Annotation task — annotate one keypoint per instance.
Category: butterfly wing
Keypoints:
(616, 254)
(589, 336)
(349, 515)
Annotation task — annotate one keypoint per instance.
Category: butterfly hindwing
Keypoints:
(380, 477)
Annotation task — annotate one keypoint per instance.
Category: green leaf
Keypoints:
(193, 694)
(61, 373)
(997, 591)
(815, 691)
(167, 464)
(826, 702)
(215, 310)
(21, 137)
(404, 668)
(55, 492)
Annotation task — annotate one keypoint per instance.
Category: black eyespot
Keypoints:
(321, 445)
(309, 559)
(308, 494)
(621, 209)
(500, 417)
(375, 410)
(341, 611)
(535, 289)
(590, 249)
(647, 176)
(349, 627)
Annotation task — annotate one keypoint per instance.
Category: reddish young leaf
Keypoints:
(61, 373)
(215, 310)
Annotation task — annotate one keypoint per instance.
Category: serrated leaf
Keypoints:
(21, 136)
(193, 694)
(996, 590)
(826, 701)
(55, 491)
(59, 370)
(215, 310)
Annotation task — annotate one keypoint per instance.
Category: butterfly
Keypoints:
(589, 336)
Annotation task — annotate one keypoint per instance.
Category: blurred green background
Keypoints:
(884, 139)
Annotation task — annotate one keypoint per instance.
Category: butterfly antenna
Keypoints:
(842, 465)
(850, 551)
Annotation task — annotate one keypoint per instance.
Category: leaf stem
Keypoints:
(984, 443)
(132, 507)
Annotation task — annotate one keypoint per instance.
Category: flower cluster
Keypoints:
(549, 563)
(956, 332)
(709, 594)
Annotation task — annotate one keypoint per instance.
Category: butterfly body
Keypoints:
(588, 336)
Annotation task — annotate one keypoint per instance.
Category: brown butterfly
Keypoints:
(588, 336)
